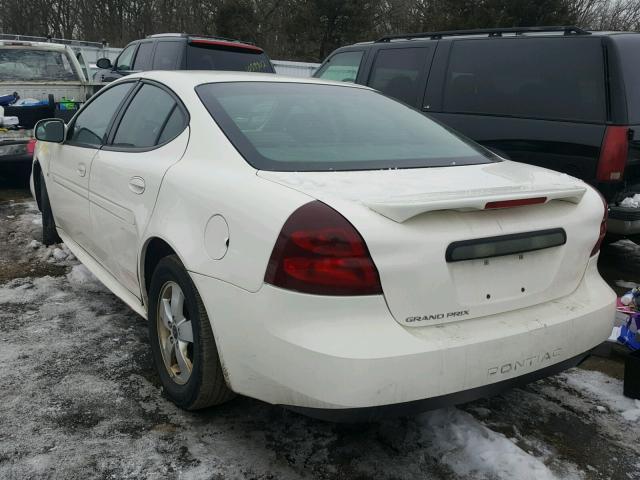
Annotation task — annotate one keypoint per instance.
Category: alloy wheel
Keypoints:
(175, 333)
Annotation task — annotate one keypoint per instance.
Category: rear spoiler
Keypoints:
(402, 208)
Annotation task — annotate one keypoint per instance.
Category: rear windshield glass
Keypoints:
(26, 64)
(220, 58)
(548, 78)
(298, 127)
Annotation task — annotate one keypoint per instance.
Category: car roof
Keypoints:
(193, 78)
(495, 34)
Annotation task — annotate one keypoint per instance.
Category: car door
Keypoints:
(68, 173)
(148, 137)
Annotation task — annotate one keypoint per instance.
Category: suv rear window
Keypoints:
(211, 57)
(311, 127)
(547, 78)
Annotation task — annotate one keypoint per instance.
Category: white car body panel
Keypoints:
(331, 352)
(120, 211)
(68, 185)
(335, 353)
(439, 290)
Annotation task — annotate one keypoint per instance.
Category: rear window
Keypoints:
(547, 78)
(210, 57)
(27, 64)
(308, 127)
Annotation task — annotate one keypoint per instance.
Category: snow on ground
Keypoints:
(79, 399)
(607, 391)
(631, 202)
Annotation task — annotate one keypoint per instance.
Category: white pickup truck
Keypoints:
(46, 72)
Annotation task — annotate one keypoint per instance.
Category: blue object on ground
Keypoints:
(630, 333)
(6, 100)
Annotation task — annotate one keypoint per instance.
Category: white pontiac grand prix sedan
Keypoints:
(320, 246)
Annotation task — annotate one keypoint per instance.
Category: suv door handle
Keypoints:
(137, 185)
(82, 169)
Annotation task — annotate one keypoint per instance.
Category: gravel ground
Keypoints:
(79, 399)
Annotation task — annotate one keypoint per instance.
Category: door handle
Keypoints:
(82, 169)
(137, 185)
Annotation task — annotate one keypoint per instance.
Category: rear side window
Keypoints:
(629, 54)
(91, 124)
(547, 78)
(146, 118)
(143, 57)
(211, 57)
(397, 72)
(342, 67)
(167, 55)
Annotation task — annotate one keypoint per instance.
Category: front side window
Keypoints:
(309, 127)
(147, 115)
(125, 60)
(41, 65)
(167, 55)
(342, 67)
(548, 78)
(397, 73)
(90, 126)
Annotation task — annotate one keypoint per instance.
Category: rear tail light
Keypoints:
(603, 228)
(613, 154)
(31, 146)
(318, 251)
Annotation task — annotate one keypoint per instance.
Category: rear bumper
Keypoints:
(315, 353)
(368, 414)
(623, 221)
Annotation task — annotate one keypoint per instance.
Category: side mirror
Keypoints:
(104, 63)
(50, 130)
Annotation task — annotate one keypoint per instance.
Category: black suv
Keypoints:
(181, 51)
(557, 97)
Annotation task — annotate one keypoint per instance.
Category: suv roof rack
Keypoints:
(491, 32)
(49, 39)
(212, 37)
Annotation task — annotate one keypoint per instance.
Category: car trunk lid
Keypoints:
(410, 219)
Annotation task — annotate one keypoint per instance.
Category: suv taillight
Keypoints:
(318, 251)
(603, 227)
(613, 154)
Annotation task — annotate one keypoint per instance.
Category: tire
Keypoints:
(49, 232)
(204, 385)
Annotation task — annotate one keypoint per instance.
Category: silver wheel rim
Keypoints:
(175, 334)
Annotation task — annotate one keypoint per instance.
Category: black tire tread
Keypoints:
(49, 233)
(211, 387)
